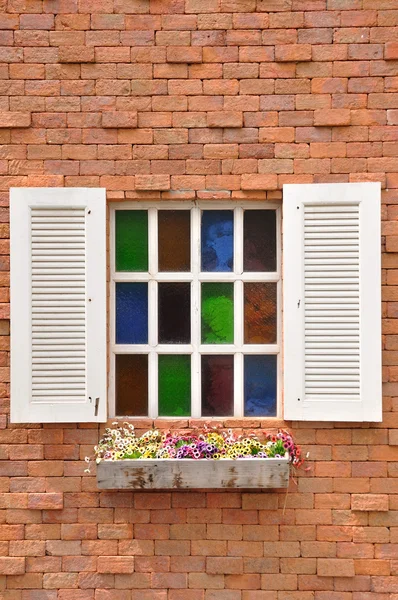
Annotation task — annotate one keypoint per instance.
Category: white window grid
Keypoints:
(239, 349)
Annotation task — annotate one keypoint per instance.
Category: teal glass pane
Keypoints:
(131, 313)
(174, 385)
(217, 313)
(217, 240)
(260, 385)
(131, 240)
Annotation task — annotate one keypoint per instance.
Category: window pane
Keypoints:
(174, 385)
(259, 240)
(217, 240)
(132, 384)
(131, 313)
(260, 313)
(217, 313)
(260, 386)
(131, 240)
(217, 386)
(174, 313)
(174, 239)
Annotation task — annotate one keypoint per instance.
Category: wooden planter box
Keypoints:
(170, 473)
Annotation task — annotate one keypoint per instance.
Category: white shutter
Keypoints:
(58, 305)
(332, 302)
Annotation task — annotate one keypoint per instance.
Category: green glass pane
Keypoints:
(217, 313)
(174, 385)
(131, 240)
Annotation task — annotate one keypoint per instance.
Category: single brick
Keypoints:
(119, 119)
(225, 119)
(12, 565)
(76, 54)
(254, 181)
(10, 120)
(392, 243)
(184, 54)
(50, 501)
(115, 564)
(293, 53)
(369, 502)
(391, 51)
(335, 567)
(332, 117)
(152, 182)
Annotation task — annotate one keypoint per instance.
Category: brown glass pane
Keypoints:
(132, 385)
(174, 301)
(260, 313)
(259, 240)
(217, 385)
(174, 239)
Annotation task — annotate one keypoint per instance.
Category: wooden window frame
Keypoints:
(238, 349)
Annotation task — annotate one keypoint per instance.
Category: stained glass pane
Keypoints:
(217, 385)
(260, 313)
(217, 313)
(131, 313)
(217, 240)
(174, 313)
(174, 239)
(174, 385)
(132, 384)
(131, 240)
(259, 240)
(260, 386)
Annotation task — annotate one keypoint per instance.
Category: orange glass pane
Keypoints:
(260, 313)
(132, 385)
(174, 239)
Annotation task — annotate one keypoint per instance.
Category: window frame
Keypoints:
(195, 277)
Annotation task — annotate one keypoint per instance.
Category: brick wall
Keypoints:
(100, 93)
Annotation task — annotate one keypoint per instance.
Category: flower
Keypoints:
(121, 443)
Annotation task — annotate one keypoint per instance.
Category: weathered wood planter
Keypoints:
(172, 473)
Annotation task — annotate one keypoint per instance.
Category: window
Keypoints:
(196, 306)
(195, 310)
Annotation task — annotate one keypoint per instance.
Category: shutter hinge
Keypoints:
(298, 304)
(96, 407)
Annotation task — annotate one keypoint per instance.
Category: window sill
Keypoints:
(184, 473)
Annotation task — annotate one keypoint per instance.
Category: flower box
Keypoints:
(171, 473)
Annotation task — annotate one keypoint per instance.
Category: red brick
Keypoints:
(184, 54)
(119, 119)
(152, 182)
(15, 119)
(12, 566)
(332, 117)
(259, 182)
(225, 119)
(334, 567)
(293, 53)
(76, 54)
(391, 51)
(46, 501)
(115, 564)
(369, 502)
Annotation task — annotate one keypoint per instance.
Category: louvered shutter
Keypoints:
(332, 302)
(58, 305)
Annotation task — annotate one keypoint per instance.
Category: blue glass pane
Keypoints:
(260, 385)
(217, 240)
(131, 313)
